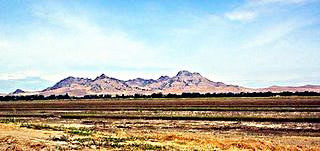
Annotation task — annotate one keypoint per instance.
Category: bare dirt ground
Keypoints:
(12, 137)
(123, 136)
(37, 126)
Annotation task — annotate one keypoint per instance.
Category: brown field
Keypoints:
(275, 123)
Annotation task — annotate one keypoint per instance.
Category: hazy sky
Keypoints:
(253, 43)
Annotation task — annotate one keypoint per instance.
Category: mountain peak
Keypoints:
(67, 82)
(18, 91)
(69, 78)
(102, 76)
(184, 73)
(163, 78)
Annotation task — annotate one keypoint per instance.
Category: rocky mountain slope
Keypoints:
(183, 81)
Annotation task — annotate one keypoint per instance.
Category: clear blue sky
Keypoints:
(253, 43)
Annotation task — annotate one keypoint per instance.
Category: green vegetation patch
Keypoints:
(147, 146)
(72, 130)
(11, 120)
(119, 143)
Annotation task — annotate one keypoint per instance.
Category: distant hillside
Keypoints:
(314, 88)
(18, 91)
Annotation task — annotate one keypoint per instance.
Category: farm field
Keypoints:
(274, 123)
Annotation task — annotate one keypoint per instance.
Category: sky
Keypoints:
(252, 43)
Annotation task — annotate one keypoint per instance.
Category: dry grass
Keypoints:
(13, 137)
(205, 141)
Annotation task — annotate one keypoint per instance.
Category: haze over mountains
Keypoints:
(183, 81)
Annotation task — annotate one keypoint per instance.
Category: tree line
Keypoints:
(158, 95)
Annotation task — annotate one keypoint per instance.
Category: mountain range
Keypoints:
(183, 81)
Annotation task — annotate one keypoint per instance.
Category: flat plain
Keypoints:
(271, 123)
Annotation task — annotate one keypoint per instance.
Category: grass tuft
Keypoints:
(72, 130)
